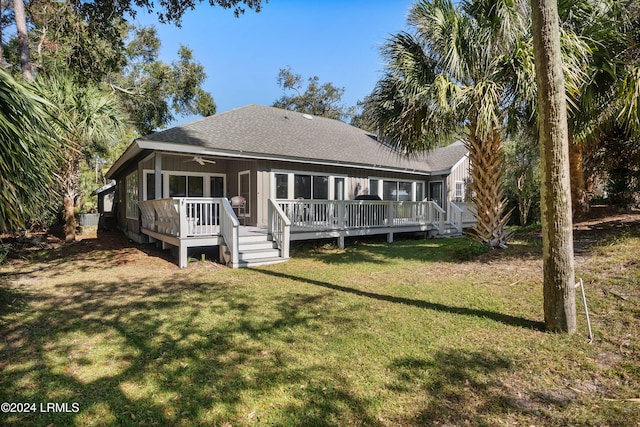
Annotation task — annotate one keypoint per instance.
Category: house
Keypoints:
(174, 186)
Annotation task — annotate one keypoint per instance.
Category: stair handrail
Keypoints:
(230, 230)
(436, 211)
(456, 215)
(279, 228)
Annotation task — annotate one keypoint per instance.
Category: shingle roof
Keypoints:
(260, 130)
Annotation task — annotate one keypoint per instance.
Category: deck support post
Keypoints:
(182, 255)
(390, 237)
(341, 242)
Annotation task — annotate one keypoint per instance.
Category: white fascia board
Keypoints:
(131, 151)
(459, 162)
(196, 150)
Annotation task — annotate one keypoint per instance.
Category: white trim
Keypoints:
(135, 197)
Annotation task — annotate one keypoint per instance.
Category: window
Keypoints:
(151, 186)
(373, 187)
(195, 186)
(131, 183)
(311, 187)
(186, 186)
(400, 191)
(282, 186)
(302, 186)
(419, 191)
(321, 187)
(435, 192)
(183, 184)
(459, 191)
(217, 186)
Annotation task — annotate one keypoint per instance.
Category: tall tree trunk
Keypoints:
(23, 39)
(578, 189)
(557, 227)
(69, 219)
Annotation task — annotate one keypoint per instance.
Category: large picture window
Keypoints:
(131, 183)
(183, 184)
(309, 187)
(399, 191)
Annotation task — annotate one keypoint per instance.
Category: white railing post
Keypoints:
(182, 218)
(230, 230)
(279, 228)
(390, 214)
(342, 213)
(456, 216)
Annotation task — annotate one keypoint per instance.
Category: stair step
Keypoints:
(259, 253)
(261, 261)
(254, 238)
(253, 246)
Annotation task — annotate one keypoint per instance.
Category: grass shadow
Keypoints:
(373, 249)
(464, 311)
(202, 347)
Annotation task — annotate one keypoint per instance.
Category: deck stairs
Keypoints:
(256, 249)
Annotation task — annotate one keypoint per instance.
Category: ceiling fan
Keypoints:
(201, 161)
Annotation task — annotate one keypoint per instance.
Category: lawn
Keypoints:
(418, 332)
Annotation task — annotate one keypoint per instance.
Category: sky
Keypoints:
(338, 41)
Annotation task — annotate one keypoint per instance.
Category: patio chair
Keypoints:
(240, 203)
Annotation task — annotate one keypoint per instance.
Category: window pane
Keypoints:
(373, 187)
(321, 187)
(131, 183)
(435, 192)
(177, 186)
(282, 186)
(217, 186)
(196, 186)
(404, 191)
(302, 186)
(389, 190)
(459, 191)
(151, 186)
(419, 191)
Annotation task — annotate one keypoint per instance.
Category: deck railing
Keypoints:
(181, 216)
(279, 228)
(230, 231)
(312, 215)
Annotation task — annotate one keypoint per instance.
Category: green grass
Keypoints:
(435, 332)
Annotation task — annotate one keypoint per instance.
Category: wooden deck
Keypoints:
(198, 222)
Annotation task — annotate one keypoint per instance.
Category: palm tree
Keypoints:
(446, 78)
(27, 154)
(89, 117)
(609, 102)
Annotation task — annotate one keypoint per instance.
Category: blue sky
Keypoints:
(339, 41)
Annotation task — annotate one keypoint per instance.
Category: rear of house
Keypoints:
(264, 153)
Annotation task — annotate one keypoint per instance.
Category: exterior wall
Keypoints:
(460, 173)
(260, 179)
(356, 180)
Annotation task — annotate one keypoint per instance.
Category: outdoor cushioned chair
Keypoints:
(240, 203)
